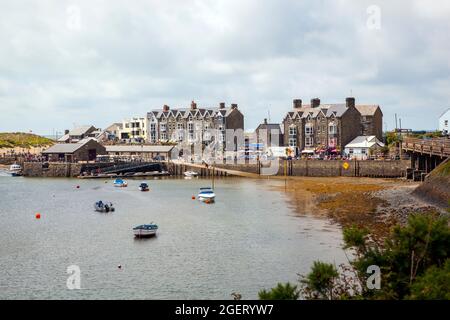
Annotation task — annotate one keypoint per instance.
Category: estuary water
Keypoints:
(250, 239)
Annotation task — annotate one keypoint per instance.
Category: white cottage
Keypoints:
(444, 122)
(359, 147)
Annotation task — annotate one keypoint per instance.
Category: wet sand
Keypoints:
(376, 204)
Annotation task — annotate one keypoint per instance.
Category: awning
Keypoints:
(308, 151)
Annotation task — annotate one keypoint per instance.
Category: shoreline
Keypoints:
(374, 203)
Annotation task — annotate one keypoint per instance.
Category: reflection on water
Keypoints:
(249, 239)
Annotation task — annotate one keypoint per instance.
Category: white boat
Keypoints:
(206, 195)
(120, 183)
(15, 170)
(101, 206)
(190, 174)
(145, 230)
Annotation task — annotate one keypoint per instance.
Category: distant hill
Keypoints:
(23, 140)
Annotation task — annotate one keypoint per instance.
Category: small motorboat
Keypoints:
(190, 174)
(120, 183)
(15, 170)
(101, 206)
(145, 230)
(144, 187)
(206, 195)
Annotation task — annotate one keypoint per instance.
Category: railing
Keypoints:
(438, 147)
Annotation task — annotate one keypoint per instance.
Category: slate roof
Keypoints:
(64, 148)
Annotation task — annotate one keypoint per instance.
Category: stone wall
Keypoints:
(38, 169)
(332, 168)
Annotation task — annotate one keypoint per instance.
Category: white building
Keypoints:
(444, 122)
(134, 129)
(359, 147)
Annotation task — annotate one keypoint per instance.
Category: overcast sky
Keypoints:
(66, 63)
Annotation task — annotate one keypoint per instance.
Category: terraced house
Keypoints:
(316, 127)
(193, 124)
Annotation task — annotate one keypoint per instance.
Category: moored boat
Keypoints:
(101, 206)
(190, 174)
(143, 187)
(206, 195)
(145, 230)
(120, 183)
(15, 170)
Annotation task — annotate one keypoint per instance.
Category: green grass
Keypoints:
(22, 140)
(442, 170)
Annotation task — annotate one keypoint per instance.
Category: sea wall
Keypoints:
(328, 168)
(52, 169)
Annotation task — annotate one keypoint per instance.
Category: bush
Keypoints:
(280, 292)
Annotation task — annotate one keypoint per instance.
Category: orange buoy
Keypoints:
(38, 215)
(193, 197)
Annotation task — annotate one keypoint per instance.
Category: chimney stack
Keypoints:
(265, 120)
(350, 102)
(222, 105)
(66, 131)
(166, 108)
(315, 102)
(234, 106)
(297, 103)
(193, 105)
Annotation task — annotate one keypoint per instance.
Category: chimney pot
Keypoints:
(66, 131)
(315, 102)
(222, 105)
(297, 103)
(193, 105)
(234, 106)
(350, 102)
(265, 120)
(166, 108)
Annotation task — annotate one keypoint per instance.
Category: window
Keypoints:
(163, 127)
(152, 127)
(153, 136)
(308, 128)
(309, 141)
(180, 126)
(190, 126)
(163, 136)
(350, 151)
(446, 122)
(332, 129)
(364, 151)
(292, 142)
(293, 131)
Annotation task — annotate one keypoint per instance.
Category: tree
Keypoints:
(280, 292)
(414, 262)
(320, 281)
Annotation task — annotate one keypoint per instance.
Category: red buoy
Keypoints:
(193, 197)
(38, 215)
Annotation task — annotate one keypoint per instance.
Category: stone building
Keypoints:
(269, 134)
(77, 134)
(193, 124)
(86, 150)
(317, 127)
(371, 120)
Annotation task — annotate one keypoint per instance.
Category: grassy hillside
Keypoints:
(23, 140)
(442, 171)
